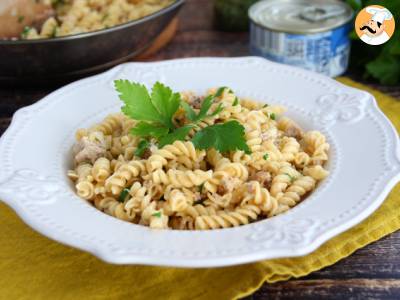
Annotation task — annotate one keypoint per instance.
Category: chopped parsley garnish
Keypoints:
(220, 91)
(236, 102)
(265, 105)
(123, 195)
(157, 214)
(272, 116)
(266, 155)
(25, 31)
(292, 178)
(21, 19)
(141, 148)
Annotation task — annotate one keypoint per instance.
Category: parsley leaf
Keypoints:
(190, 113)
(25, 32)
(141, 148)
(178, 134)
(205, 107)
(166, 102)
(157, 214)
(155, 112)
(221, 90)
(266, 155)
(123, 195)
(223, 137)
(236, 102)
(138, 104)
(144, 129)
(272, 116)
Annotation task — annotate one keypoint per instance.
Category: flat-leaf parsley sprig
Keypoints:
(155, 115)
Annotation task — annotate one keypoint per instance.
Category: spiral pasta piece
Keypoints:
(281, 181)
(257, 195)
(110, 125)
(237, 170)
(184, 152)
(198, 210)
(316, 146)
(223, 219)
(317, 172)
(301, 159)
(113, 208)
(123, 176)
(101, 169)
(299, 188)
(254, 140)
(176, 199)
(180, 179)
(83, 184)
(290, 146)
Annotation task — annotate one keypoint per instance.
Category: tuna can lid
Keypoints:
(300, 16)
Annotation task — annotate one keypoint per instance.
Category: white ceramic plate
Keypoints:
(364, 164)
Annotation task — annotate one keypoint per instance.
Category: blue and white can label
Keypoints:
(310, 34)
(326, 53)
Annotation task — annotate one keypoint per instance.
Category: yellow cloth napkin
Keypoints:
(34, 267)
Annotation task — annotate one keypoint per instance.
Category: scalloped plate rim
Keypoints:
(235, 259)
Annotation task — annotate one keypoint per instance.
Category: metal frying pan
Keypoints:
(56, 60)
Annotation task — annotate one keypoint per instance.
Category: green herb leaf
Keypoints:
(157, 214)
(205, 107)
(292, 178)
(123, 195)
(224, 137)
(21, 19)
(386, 68)
(265, 105)
(25, 31)
(219, 108)
(141, 148)
(236, 102)
(178, 134)
(272, 116)
(166, 102)
(144, 129)
(190, 113)
(138, 104)
(220, 91)
(266, 155)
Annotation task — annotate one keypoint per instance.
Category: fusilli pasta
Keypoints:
(181, 187)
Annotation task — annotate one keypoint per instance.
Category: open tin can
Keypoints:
(311, 34)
